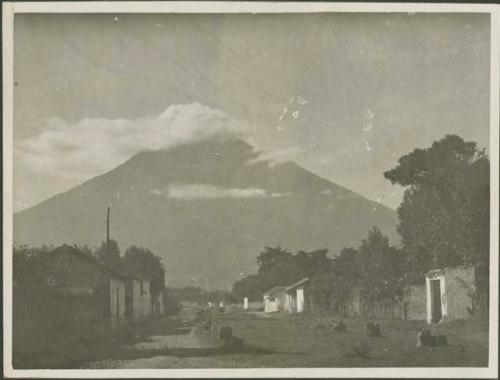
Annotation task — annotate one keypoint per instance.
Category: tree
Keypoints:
(270, 257)
(322, 288)
(251, 286)
(478, 192)
(381, 274)
(333, 283)
(278, 267)
(444, 216)
(142, 262)
(284, 273)
(311, 262)
(346, 277)
(27, 263)
(109, 256)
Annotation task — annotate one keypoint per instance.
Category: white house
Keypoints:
(139, 300)
(295, 293)
(286, 298)
(158, 304)
(117, 291)
(275, 299)
(450, 293)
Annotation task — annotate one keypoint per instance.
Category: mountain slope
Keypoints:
(207, 208)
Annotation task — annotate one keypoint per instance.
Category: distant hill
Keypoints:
(207, 208)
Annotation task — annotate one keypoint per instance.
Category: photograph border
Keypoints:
(11, 8)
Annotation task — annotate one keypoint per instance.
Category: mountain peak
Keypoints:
(207, 149)
(207, 208)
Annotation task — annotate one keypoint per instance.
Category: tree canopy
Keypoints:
(380, 265)
(110, 256)
(373, 271)
(135, 262)
(278, 267)
(142, 262)
(444, 216)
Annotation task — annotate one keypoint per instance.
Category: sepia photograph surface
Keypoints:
(250, 190)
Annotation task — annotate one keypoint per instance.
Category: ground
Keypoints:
(299, 340)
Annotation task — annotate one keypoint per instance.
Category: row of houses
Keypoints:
(447, 294)
(80, 296)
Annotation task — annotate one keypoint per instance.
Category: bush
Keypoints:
(358, 350)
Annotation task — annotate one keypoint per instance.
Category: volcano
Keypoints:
(207, 208)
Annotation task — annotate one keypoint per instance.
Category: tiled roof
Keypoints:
(76, 252)
(281, 289)
(298, 283)
(275, 290)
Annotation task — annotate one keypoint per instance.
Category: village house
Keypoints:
(66, 296)
(275, 299)
(75, 273)
(139, 302)
(159, 303)
(450, 293)
(290, 298)
(87, 296)
(295, 296)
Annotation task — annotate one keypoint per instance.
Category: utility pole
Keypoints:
(107, 238)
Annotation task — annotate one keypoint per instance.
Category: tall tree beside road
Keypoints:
(444, 216)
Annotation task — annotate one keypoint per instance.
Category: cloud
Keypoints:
(277, 156)
(279, 195)
(76, 152)
(205, 191)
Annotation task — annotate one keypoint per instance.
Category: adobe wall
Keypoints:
(459, 291)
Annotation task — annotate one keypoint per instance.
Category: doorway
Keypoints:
(436, 308)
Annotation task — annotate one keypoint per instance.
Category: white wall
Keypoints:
(116, 300)
(142, 301)
(300, 300)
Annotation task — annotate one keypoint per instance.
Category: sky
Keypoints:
(343, 95)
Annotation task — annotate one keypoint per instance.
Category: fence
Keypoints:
(394, 310)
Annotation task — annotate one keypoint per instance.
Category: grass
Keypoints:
(280, 341)
(290, 341)
(296, 343)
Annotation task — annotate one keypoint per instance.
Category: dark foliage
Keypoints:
(444, 216)
(142, 262)
(278, 267)
(108, 255)
(333, 285)
(381, 271)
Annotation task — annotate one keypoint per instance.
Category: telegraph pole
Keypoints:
(107, 237)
